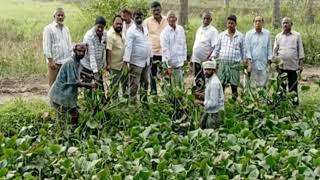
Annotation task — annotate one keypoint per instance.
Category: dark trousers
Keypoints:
(65, 112)
(199, 76)
(155, 68)
(234, 90)
(292, 84)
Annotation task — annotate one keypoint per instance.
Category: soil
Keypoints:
(37, 87)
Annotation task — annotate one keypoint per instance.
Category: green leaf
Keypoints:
(254, 174)
(178, 168)
(146, 133)
(223, 177)
(92, 124)
(55, 148)
(103, 174)
(3, 172)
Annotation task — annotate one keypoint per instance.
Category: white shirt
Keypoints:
(204, 43)
(57, 43)
(138, 50)
(173, 46)
(125, 28)
(213, 97)
(94, 59)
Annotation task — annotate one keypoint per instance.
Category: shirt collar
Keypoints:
(287, 33)
(235, 34)
(205, 28)
(56, 24)
(255, 31)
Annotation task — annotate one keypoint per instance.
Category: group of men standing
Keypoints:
(137, 49)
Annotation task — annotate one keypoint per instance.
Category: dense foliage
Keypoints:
(262, 137)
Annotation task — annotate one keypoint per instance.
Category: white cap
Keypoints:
(209, 65)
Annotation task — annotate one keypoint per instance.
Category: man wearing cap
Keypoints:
(137, 56)
(203, 46)
(213, 97)
(174, 48)
(258, 52)
(229, 52)
(56, 44)
(96, 38)
(64, 91)
(155, 24)
(288, 47)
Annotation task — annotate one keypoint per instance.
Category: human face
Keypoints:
(172, 20)
(156, 11)
(231, 25)
(206, 20)
(258, 23)
(286, 24)
(80, 52)
(59, 17)
(126, 17)
(117, 25)
(138, 19)
(99, 30)
(208, 72)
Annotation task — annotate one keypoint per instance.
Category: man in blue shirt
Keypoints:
(64, 91)
(258, 52)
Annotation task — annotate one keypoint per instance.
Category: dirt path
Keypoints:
(37, 87)
(30, 88)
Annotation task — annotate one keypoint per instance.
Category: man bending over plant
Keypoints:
(64, 91)
(213, 98)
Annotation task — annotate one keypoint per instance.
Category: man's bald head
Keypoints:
(206, 18)
(287, 24)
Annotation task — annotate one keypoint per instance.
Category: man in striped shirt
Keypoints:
(56, 44)
(229, 52)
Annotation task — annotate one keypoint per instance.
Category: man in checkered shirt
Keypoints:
(229, 53)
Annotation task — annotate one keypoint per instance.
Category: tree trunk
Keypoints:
(226, 3)
(183, 16)
(276, 14)
(310, 11)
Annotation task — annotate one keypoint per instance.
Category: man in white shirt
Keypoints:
(126, 16)
(96, 38)
(174, 48)
(213, 97)
(137, 56)
(203, 46)
(56, 44)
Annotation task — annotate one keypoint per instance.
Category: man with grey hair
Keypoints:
(56, 44)
(288, 47)
(174, 48)
(258, 52)
(203, 46)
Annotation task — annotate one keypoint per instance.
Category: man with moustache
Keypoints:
(229, 53)
(137, 56)
(174, 49)
(258, 52)
(64, 91)
(288, 47)
(56, 44)
(203, 46)
(155, 24)
(96, 38)
(115, 52)
(213, 97)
